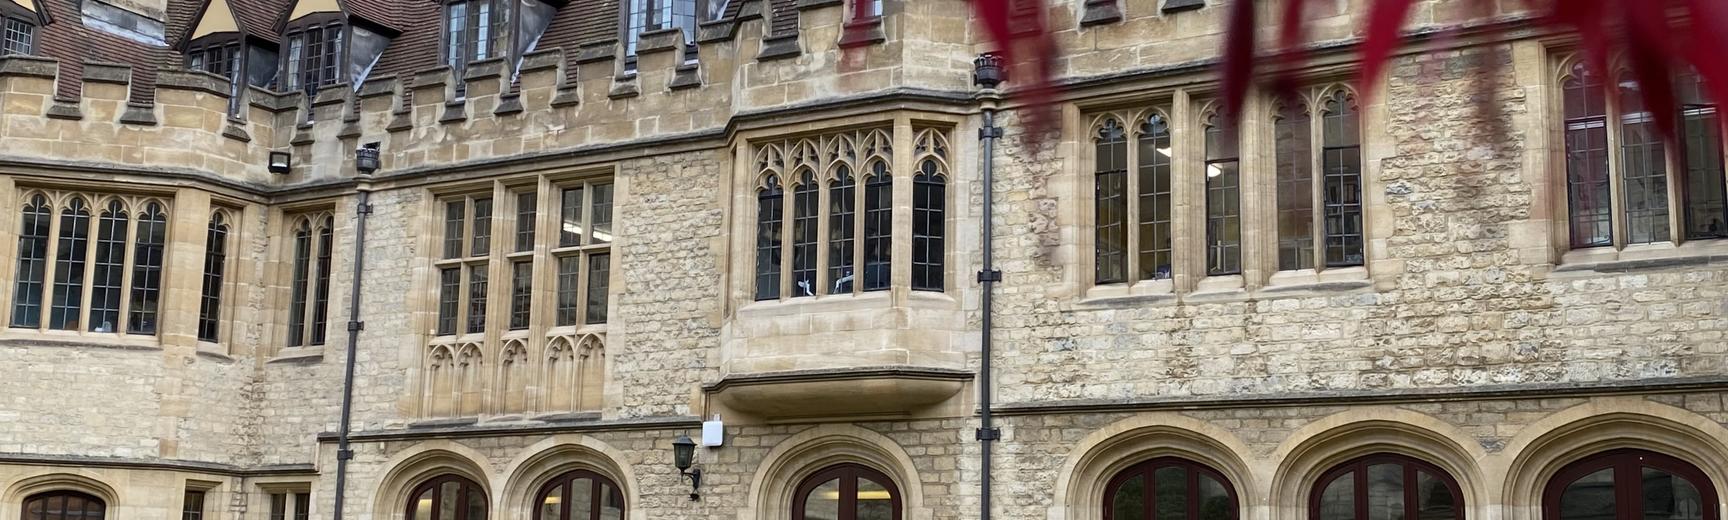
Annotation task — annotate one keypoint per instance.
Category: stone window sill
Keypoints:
(215, 350)
(1147, 291)
(68, 338)
(215, 355)
(1305, 278)
(566, 330)
(930, 299)
(298, 355)
(1210, 285)
(867, 31)
(449, 339)
(820, 303)
(1644, 256)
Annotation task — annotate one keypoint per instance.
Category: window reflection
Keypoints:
(875, 502)
(1630, 484)
(823, 503)
(1169, 488)
(847, 492)
(580, 495)
(1388, 487)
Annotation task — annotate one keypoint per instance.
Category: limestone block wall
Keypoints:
(737, 479)
(186, 133)
(667, 298)
(1466, 285)
(1104, 38)
(299, 389)
(661, 336)
(1499, 449)
(54, 410)
(158, 396)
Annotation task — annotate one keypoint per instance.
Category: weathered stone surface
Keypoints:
(1469, 318)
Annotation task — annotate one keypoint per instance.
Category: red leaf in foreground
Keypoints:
(1238, 56)
(1709, 46)
(1016, 27)
(855, 37)
(1385, 18)
(1648, 53)
(1586, 17)
(1488, 84)
(1290, 40)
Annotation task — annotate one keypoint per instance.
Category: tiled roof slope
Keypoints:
(416, 49)
(782, 14)
(259, 17)
(582, 22)
(784, 20)
(175, 28)
(68, 40)
(389, 13)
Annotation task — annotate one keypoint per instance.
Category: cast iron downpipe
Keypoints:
(361, 211)
(987, 73)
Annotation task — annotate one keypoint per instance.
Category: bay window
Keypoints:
(1626, 184)
(309, 286)
(824, 215)
(90, 264)
(315, 54)
(17, 30)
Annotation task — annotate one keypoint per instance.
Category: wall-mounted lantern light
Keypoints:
(280, 162)
(683, 456)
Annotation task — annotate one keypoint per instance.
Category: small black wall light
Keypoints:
(683, 456)
(280, 162)
(366, 158)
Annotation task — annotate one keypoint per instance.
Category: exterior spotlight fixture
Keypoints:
(366, 158)
(987, 71)
(280, 162)
(683, 455)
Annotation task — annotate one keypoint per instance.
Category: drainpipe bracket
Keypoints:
(356, 326)
(363, 209)
(993, 275)
(344, 454)
(990, 132)
(989, 434)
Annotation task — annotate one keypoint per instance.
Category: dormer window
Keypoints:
(475, 30)
(653, 15)
(314, 56)
(219, 55)
(221, 58)
(20, 30)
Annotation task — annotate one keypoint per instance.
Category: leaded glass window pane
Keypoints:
(69, 261)
(929, 227)
(842, 220)
(768, 210)
(878, 227)
(1341, 163)
(147, 257)
(1293, 140)
(1111, 187)
(110, 269)
(1223, 200)
(1588, 200)
(32, 263)
(1155, 204)
(215, 270)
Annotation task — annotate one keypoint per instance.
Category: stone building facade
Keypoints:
(595, 225)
